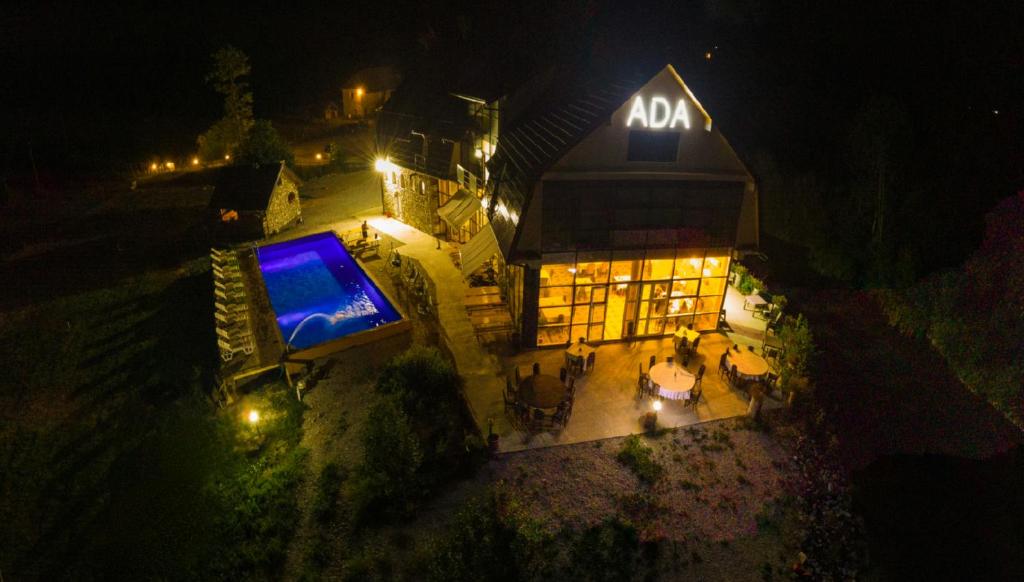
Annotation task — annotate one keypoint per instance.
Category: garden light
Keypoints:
(254, 416)
(656, 406)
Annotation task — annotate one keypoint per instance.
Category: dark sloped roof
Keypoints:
(558, 120)
(246, 187)
(418, 126)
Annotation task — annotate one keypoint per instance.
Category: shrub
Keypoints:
(639, 458)
(387, 477)
(491, 539)
(608, 551)
(421, 378)
(428, 389)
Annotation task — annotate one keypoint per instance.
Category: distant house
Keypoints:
(256, 201)
(367, 91)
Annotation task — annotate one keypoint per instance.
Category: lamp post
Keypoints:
(383, 166)
(254, 419)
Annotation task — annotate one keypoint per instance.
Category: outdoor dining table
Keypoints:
(579, 352)
(684, 332)
(672, 380)
(541, 391)
(753, 302)
(749, 365)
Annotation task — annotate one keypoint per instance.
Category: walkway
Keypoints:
(480, 370)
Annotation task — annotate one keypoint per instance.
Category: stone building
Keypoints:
(365, 92)
(435, 137)
(254, 201)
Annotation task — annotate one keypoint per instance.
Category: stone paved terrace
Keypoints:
(606, 397)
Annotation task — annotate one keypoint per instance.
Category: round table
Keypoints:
(673, 381)
(541, 391)
(748, 364)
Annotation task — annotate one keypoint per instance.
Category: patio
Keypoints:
(607, 404)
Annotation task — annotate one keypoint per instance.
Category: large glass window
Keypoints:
(602, 296)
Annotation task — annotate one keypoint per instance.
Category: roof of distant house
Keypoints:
(248, 187)
(375, 79)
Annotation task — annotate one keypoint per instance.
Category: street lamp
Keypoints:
(383, 166)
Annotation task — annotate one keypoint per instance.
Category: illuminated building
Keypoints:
(611, 206)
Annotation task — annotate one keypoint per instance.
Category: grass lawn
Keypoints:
(114, 463)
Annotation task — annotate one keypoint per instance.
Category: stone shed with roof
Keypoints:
(254, 201)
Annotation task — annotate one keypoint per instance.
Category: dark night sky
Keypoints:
(786, 76)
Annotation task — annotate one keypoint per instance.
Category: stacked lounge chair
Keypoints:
(231, 312)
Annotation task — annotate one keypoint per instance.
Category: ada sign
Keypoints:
(659, 114)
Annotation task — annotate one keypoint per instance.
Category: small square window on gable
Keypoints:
(653, 146)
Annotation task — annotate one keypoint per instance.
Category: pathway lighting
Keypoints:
(254, 416)
(195, 161)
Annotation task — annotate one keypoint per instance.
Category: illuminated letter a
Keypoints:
(637, 112)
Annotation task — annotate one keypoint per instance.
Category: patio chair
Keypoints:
(723, 364)
(536, 368)
(507, 395)
(229, 286)
(700, 373)
(570, 390)
(559, 418)
(696, 343)
(231, 295)
(684, 345)
(734, 375)
(750, 347)
(225, 260)
(562, 374)
(771, 381)
(230, 307)
(229, 347)
(231, 318)
(670, 359)
(539, 419)
(695, 396)
(591, 358)
(653, 360)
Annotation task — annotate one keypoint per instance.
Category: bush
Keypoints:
(428, 389)
(639, 458)
(388, 476)
(608, 551)
(421, 378)
(491, 539)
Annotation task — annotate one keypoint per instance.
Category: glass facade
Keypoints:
(610, 295)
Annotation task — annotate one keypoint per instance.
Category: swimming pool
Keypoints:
(319, 293)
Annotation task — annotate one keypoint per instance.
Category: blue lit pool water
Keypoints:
(318, 291)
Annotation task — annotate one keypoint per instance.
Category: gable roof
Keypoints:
(565, 114)
(248, 187)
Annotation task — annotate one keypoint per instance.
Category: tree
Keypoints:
(387, 478)
(797, 347)
(229, 67)
(263, 145)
